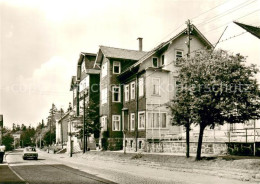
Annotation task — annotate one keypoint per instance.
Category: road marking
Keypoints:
(14, 171)
(18, 175)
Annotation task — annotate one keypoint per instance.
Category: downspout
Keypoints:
(77, 86)
(137, 109)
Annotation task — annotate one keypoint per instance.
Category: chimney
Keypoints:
(140, 43)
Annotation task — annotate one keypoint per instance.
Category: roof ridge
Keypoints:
(87, 53)
(121, 48)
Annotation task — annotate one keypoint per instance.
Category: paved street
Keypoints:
(47, 171)
(60, 168)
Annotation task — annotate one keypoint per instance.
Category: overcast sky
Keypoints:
(41, 41)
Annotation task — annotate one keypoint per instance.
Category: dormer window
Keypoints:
(155, 62)
(116, 67)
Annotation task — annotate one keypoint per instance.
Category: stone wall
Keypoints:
(180, 147)
(131, 144)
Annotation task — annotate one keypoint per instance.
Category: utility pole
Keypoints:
(189, 29)
(84, 122)
(61, 129)
(1, 128)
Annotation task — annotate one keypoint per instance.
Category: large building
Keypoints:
(133, 88)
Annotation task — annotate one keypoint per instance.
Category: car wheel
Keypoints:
(24, 158)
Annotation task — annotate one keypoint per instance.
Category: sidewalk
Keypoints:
(178, 168)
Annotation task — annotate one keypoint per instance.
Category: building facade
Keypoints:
(133, 89)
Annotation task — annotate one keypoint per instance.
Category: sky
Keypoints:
(41, 41)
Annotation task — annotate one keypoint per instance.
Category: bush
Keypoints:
(137, 156)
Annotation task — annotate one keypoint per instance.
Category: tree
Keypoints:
(51, 122)
(8, 141)
(92, 119)
(220, 89)
(47, 136)
(28, 136)
(92, 124)
(181, 111)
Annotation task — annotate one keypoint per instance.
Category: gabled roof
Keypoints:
(251, 29)
(164, 44)
(89, 61)
(64, 116)
(111, 52)
(117, 53)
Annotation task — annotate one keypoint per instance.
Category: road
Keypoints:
(43, 171)
(60, 168)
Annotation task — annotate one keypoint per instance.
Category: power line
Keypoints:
(233, 37)
(208, 10)
(232, 21)
(248, 14)
(227, 12)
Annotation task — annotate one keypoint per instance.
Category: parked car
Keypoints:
(30, 152)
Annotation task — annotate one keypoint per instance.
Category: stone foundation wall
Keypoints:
(131, 144)
(180, 147)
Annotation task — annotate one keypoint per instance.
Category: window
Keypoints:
(155, 62)
(104, 70)
(156, 120)
(178, 56)
(140, 144)
(132, 121)
(116, 67)
(116, 122)
(162, 60)
(131, 143)
(141, 87)
(127, 93)
(141, 120)
(104, 96)
(115, 93)
(156, 86)
(132, 90)
(103, 123)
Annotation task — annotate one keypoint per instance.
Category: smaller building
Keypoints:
(62, 129)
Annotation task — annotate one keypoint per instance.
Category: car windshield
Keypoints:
(30, 149)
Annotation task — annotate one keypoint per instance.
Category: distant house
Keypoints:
(17, 137)
(62, 129)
